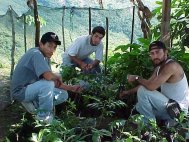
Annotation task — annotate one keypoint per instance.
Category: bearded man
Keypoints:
(169, 76)
(77, 55)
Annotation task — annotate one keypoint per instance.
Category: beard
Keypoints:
(158, 62)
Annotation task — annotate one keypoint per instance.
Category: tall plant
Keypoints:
(179, 22)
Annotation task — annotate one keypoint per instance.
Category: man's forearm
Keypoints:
(66, 87)
(76, 60)
(133, 90)
(49, 76)
(95, 63)
(147, 84)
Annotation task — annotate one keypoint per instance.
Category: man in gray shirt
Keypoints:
(33, 81)
(77, 55)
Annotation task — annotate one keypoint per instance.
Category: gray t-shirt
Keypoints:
(81, 48)
(28, 70)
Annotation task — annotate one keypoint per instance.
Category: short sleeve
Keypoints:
(40, 64)
(99, 53)
(74, 48)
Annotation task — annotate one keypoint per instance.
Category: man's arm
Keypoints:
(81, 64)
(129, 92)
(94, 64)
(156, 81)
(58, 82)
(73, 88)
(53, 77)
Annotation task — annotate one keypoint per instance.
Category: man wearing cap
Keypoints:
(169, 76)
(34, 83)
(77, 55)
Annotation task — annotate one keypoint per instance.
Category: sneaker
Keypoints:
(45, 118)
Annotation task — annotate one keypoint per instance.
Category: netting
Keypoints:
(76, 23)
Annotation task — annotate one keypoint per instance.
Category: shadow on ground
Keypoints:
(10, 113)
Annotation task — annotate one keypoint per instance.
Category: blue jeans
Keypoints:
(152, 104)
(44, 95)
(68, 62)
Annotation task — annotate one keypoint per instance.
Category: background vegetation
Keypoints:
(98, 114)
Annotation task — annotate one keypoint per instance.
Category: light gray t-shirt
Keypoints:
(81, 48)
(28, 70)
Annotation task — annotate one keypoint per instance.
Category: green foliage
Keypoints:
(67, 73)
(103, 93)
(97, 134)
(130, 59)
(182, 56)
(179, 22)
(30, 20)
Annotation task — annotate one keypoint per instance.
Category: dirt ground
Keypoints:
(10, 113)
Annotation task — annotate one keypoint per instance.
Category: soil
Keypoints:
(10, 113)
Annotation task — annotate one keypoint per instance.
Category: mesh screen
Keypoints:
(76, 23)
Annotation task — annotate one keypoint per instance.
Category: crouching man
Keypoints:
(33, 82)
(170, 77)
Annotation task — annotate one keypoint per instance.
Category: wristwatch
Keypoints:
(137, 77)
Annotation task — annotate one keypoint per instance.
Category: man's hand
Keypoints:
(76, 88)
(131, 78)
(58, 81)
(89, 67)
(83, 66)
(123, 94)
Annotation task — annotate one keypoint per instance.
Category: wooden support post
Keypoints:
(13, 42)
(89, 20)
(63, 34)
(37, 24)
(165, 25)
(25, 44)
(106, 54)
(133, 22)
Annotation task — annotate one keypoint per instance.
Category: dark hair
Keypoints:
(50, 37)
(98, 29)
(158, 45)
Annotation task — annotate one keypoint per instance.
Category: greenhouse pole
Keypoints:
(133, 22)
(165, 25)
(63, 35)
(89, 20)
(25, 33)
(13, 43)
(106, 54)
(37, 24)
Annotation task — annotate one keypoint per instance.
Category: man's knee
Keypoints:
(48, 84)
(60, 97)
(142, 92)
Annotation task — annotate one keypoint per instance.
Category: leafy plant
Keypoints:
(67, 73)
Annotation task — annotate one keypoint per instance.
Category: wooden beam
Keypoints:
(89, 20)
(37, 24)
(165, 25)
(133, 22)
(63, 33)
(13, 42)
(25, 44)
(106, 54)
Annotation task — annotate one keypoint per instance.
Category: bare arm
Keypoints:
(73, 88)
(58, 82)
(129, 92)
(156, 81)
(94, 64)
(81, 64)
(50, 76)
(53, 77)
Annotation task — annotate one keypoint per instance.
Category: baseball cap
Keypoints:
(50, 37)
(157, 45)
